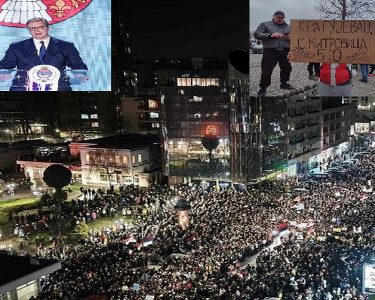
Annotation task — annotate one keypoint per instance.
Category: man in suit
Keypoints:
(41, 49)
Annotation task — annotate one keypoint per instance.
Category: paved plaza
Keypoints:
(300, 80)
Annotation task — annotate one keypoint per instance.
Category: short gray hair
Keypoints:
(37, 20)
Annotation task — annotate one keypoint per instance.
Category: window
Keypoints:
(125, 160)
(133, 159)
(152, 104)
(155, 125)
(87, 158)
(84, 116)
(139, 158)
(154, 115)
(94, 116)
(94, 124)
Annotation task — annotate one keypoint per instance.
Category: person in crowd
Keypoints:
(335, 79)
(364, 72)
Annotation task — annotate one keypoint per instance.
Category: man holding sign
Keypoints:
(276, 43)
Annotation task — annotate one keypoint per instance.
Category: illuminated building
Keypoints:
(195, 120)
(141, 114)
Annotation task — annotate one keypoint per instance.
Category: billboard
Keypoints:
(332, 41)
(85, 24)
(368, 279)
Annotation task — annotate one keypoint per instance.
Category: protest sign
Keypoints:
(332, 41)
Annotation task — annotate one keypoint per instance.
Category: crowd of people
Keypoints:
(286, 239)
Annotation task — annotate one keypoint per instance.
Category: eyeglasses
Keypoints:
(36, 28)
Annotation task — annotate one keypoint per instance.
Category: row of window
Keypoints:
(198, 81)
(120, 160)
(89, 116)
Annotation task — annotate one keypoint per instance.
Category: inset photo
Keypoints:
(312, 48)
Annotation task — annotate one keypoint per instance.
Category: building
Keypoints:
(123, 76)
(304, 133)
(10, 152)
(88, 115)
(274, 135)
(337, 119)
(365, 118)
(141, 114)
(21, 275)
(121, 162)
(244, 120)
(195, 120)
(118, 160)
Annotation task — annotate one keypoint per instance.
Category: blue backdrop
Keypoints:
(90, 31)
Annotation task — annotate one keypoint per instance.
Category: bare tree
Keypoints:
(345, 9)
(108, 159)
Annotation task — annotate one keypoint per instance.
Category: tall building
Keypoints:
(244, 121)
(274, 132)
(304, 133)
(123, 76)
(337, 118)
(195, 120)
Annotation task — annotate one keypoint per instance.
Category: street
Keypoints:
(300, 80)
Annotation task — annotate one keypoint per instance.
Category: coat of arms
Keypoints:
(15, 13)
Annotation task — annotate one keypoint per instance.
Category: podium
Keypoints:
(43, 78)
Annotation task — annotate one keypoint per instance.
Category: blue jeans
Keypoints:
(364, 71)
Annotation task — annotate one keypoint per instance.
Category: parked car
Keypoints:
(257, 48)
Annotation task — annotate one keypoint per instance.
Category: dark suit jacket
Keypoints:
(23, 56)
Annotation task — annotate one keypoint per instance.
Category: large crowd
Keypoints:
(280, 238)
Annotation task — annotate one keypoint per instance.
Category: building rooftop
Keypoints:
(129, 141)
(18, 270)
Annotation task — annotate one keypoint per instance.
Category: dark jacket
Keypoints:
(266, 29)
(23, 56)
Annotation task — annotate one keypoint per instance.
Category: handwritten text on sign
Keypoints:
(332, 41)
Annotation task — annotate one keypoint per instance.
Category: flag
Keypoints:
(148, 240)
(279, 229)
(129, 239)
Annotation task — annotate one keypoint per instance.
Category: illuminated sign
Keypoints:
(211, 130)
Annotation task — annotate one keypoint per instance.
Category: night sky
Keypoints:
(187, 28)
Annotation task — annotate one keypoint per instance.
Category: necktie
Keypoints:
(42, 51)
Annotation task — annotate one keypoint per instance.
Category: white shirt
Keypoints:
(38, 44)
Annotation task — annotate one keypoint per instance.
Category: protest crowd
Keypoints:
(280, 238)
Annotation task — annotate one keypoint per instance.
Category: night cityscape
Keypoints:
(179, 183)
